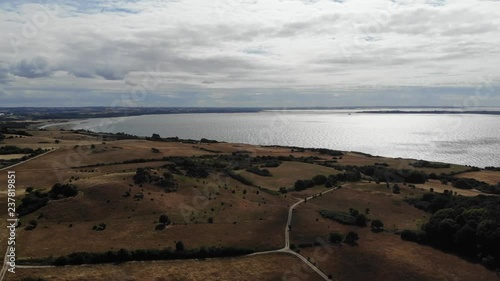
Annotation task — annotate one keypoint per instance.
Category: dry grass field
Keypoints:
(287, 173)
(384, 256)
(491, 177)
(264, 268)
(378, 256)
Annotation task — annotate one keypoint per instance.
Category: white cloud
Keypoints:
(226, 47)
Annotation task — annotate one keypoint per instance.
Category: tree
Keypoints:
(59, 191)
(300, 185)
(360, 220)
(165, 220)
(336, 237)
(351, 238)
(319, 179)
(179, 246)
(377, 225)
(353, 212)
(155, 137)
(396, 189)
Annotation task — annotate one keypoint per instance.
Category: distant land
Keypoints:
(432, 112)
(36, 113)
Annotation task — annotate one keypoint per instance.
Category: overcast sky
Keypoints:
(249, 53)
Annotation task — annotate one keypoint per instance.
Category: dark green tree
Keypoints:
(351, 238)
(164, 219)
(336, 237)
(179, 246)
(377, 225)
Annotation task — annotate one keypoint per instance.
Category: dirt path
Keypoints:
(286, 248)
(5, 260)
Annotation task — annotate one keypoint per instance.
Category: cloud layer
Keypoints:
(249, 52)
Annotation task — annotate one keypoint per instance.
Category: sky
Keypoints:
(250, 53)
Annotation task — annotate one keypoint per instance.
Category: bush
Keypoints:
(59, 191)
(351, 238)
(377, 225)
(336, 237)
(164, 219)
(160, 226)
(260, 172)
(340, 217)
(99, 227)
(361, 220)
(179, 246)
(319, 179)
(396, 189)
(412, 235)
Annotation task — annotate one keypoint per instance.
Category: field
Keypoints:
(218, 210)
(287, 173)
(491, 177)
(266, 267)
(378, 256)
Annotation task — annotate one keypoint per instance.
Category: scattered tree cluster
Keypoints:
(147, 175)
(35, 199)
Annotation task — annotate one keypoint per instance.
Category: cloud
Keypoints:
(33, 68)
(4, 72)
(235, 48)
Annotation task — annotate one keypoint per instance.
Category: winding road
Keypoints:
(286, 248)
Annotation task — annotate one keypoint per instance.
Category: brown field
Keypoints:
(491, 177)
(439, 187)
(265, 267)
(12, 156)
(287, 174)
(308, 225)
(251, 220)
(396, 163)
(379, 256)
(384, 256)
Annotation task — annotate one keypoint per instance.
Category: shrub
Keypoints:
(336, 237)
(360, 220)
(377, 225)
(340, 217)
(179, 246)
(164, 219)
(59, 191)
(351, 238)
(99, 227)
